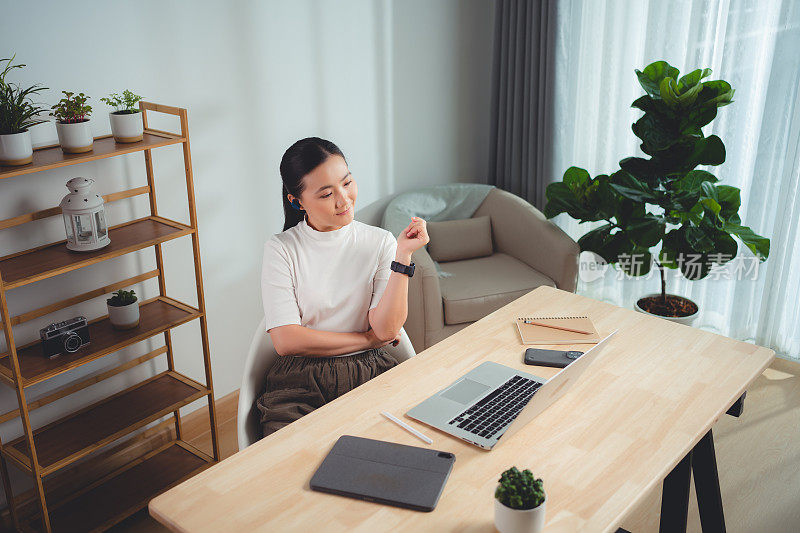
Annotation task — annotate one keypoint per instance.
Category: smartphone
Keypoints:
(557, 358)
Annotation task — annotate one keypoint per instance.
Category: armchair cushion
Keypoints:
(452, 240)
(470, 294)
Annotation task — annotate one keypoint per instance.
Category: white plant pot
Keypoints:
(508, 520)
(124, 316)
(127, 127)
(686, 320)
(75, 138)
(16, 149)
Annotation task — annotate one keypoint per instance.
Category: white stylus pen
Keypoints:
(407, 427)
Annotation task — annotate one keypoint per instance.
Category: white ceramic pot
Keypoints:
(16, 149)
(75, 138)
(686, 320)
(126, 127)
(124, 316)
(508, 520)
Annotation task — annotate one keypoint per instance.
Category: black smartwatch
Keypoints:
(408, 270)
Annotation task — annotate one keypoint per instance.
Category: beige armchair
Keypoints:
(528, 251)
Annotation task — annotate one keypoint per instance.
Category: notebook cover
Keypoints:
(534, 334)
(384, 472)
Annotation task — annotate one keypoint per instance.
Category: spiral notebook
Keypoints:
(535, 334)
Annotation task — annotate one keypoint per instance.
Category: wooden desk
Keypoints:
(633, 418)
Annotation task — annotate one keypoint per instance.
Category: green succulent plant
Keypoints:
(519, 490)
(124, 104)
(18, 112)
(121, 298)
(663, 200)
(69, 110)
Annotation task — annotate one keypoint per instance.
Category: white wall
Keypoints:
(402, 87)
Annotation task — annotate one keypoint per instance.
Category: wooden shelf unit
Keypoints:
(123, 492)
(44, 451)
(70, 438)
(156, 315)
(51, 260)
(49, 157)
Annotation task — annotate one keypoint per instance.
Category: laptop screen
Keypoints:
(556, 387)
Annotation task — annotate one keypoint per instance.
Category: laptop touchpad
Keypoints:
(465, 391)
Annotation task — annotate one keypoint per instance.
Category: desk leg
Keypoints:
(738, 406)
(706, 485)
(702, 462)
(675, 497)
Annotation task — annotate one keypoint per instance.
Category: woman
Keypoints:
(331, 297)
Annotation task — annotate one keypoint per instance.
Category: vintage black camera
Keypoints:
(65, 337)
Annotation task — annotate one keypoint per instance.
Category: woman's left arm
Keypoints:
(390, 314)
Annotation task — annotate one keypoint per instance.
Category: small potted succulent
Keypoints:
(123, 309)
(17, 113)
(519, 502)
(126, 119)
(72, 123)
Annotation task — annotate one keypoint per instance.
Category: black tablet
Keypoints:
(384, 472)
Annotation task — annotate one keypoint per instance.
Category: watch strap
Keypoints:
(403, 269)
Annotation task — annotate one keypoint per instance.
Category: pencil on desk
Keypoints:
(408, 428)
(557, 327)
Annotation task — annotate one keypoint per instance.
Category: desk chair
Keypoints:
(260, 358)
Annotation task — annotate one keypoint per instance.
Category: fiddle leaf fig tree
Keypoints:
(664, 200)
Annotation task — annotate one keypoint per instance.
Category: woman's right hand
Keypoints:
(374, 342)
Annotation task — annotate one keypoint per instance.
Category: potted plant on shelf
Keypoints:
(123, 309)
(519, 502)
(17, 113)
(126, 119)
(72, 123)
(663, 200)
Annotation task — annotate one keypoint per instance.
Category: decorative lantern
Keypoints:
(84, 216)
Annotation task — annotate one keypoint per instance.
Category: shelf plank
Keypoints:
(53, 259)
(68, 439)
(156, 316)
(124, 492)
(48, 157)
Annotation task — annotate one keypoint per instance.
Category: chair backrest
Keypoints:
(260, 358)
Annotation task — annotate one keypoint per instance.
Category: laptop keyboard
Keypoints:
(488, 416)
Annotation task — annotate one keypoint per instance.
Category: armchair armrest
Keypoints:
(425, 311)
(522, 231)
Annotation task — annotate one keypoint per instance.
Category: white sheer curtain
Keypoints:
(755, 46)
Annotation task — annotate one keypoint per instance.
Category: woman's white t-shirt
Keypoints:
(326, 280)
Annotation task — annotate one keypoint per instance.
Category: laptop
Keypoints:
(494, 400)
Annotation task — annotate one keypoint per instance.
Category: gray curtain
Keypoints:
(522, 81)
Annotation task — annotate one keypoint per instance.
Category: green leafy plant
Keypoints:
(124, 104)
(69, 110)
(519, 490)
(17, 110)
(121, 298)
(664, 199)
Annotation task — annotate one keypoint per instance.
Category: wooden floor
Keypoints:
(758, 457)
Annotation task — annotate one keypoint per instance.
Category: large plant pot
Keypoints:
(686, 320)
(75, 137)
(126, 127)
(124, 316)
(508, 520)
(16, 149)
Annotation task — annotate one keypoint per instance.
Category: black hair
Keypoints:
(301, 158)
